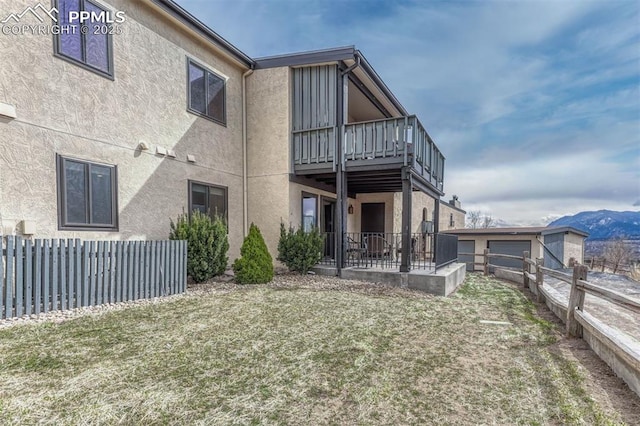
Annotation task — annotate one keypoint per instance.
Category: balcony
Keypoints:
(371, 145)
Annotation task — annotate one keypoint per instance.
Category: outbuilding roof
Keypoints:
(532, 230)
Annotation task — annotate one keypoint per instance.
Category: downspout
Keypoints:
(245, 191)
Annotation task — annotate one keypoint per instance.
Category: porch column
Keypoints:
(341, 179)
(341, 219)
(436, 227)
(405, 260)
(436, 216)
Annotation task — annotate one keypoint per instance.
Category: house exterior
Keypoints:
(329, 145)
(111, 135)
(113, 143)
(556, 245)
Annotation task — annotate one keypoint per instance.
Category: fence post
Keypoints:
(486, 261)
(539, 279)
(525, 269)
(576, 301)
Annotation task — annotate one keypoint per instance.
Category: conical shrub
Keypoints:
(255, 264)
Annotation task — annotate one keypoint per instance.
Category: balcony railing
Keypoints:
(400, 140)
(380, 250)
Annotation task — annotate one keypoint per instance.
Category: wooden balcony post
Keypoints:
(405, 259)
(525, 269)
(576, 301)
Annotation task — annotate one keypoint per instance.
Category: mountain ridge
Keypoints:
(604, 224)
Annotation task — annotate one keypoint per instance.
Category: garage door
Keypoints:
(513, 248)
(466, 247)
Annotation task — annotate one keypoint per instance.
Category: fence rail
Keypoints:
(608, 342)
(49, 275)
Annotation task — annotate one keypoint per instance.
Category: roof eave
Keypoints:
(335, 54)
(195, 24)
(380, 83)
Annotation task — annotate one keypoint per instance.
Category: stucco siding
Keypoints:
(268, 147)
(573, 247)
(67, 110)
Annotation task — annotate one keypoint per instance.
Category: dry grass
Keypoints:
(300, 351)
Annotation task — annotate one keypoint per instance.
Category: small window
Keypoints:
(206, 92)
(309, 211)
(452, 223)
(208, 199)
(89, 44)
(87, 196)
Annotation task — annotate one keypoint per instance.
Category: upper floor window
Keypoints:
(87, 197)
(206, 92)
(208, 199)
(86, 44)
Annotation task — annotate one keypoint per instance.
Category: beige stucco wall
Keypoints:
(268, 147)
(446, 210)
(419, 202)
(573, 247)
(67, 110)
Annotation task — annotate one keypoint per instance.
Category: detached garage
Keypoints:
(556, 245)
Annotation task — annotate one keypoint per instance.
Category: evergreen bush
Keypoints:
(207, 244)
(300, 250)
(255, 264)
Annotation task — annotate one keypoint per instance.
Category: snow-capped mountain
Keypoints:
(604, 224)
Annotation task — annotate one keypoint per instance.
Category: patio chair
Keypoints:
(378, 247)
(356, 250)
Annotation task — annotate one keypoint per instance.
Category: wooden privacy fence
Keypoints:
(49, 275)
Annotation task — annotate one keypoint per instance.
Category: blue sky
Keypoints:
(535, 104)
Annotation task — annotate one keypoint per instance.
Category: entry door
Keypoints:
(327, 226)
(372, 219)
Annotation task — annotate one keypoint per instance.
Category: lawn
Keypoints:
(303, 350)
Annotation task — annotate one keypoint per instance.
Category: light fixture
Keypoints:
(350, 209)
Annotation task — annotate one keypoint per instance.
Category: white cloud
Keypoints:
(535, 104)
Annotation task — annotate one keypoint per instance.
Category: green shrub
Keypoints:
(207, 244)
(255, 265)
(300, 250)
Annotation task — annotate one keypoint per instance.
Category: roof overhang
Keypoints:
(564, 230)
(496, 231)
(351, 57)
(542, 230)
(193, 24)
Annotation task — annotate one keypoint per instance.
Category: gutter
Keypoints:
(245, 190)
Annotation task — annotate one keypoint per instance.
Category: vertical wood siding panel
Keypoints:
(28, 276)
(20, 276)
(9, 271)
(46, 256)
(62, 288)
